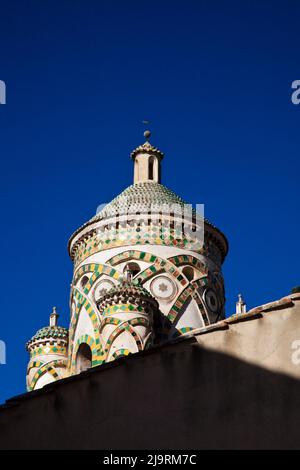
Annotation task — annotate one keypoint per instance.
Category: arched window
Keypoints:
(83, 358)
(133, 267)
(188, 272)
(151, 167)
(136, 170)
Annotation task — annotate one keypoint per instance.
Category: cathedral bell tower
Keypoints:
(144, 273)
(140, 273)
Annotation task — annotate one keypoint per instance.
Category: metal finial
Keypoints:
(241, 306)
(53, 317)
(147, 133)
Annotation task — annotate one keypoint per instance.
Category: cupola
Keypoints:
(147, 162)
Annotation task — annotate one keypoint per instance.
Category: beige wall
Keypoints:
(268, 339)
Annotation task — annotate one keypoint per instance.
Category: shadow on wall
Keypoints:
(178, 396)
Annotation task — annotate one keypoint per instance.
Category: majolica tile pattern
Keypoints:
(49, 349)
(137, 234)
(102, 314)
(148, 224)
(120, 353)
(83, 302)
(130, 308)
(42, 369)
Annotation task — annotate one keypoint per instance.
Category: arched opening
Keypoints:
(188, 272)
(136, 171)
(133, 267)
(83, 358)
(151, 168)
(84, 281)
(101, 288)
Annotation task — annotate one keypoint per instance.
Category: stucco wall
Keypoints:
(269, 336)
(234, 388)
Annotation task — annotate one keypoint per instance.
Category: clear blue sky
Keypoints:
(215, 80)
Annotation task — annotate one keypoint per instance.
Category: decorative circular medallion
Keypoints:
(211, 300)
(162, 287)
(101, 288)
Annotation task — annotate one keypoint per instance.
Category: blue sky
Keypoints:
(214, 78)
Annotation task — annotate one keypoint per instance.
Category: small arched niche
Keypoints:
(83, 358)
(189, 272)
(84, 281)
(133, 267)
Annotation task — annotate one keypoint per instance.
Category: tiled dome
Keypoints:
(128, 288)
(49, 332)
(127, 292)
(140, 197)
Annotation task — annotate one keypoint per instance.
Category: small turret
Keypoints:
(48, 350)
(241, 307)
(53, 317)
(147, 162)
(128, 311)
